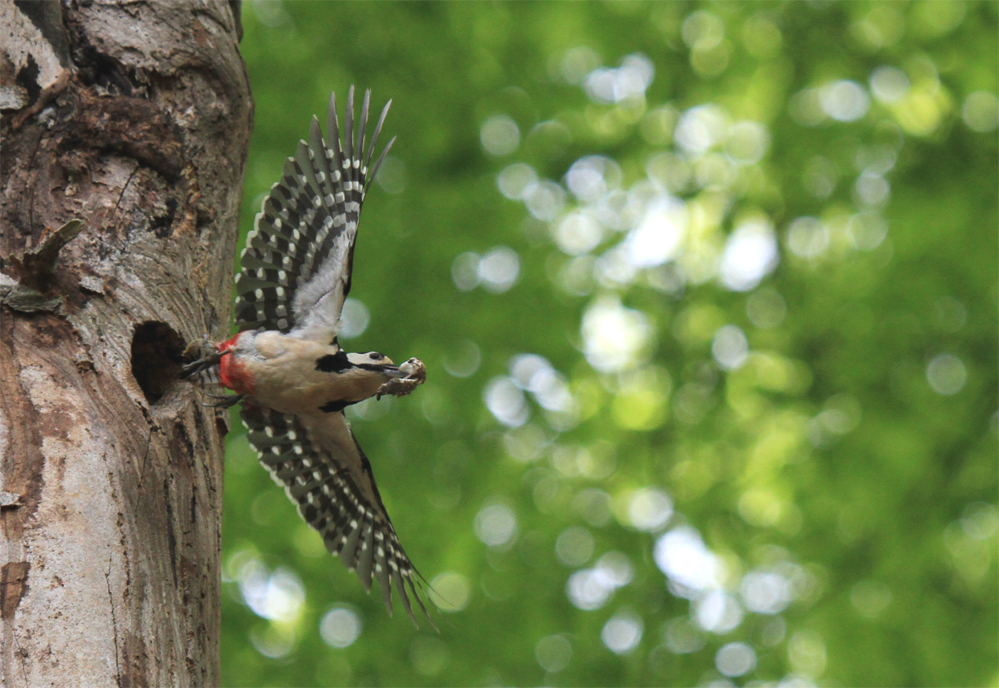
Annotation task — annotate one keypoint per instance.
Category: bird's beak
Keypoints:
(392, 371)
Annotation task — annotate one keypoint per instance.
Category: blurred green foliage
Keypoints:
(755, 250)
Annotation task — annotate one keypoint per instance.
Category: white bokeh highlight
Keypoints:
(659, 236)
(498, 269)
(718, 612)
(844, 100)
(946, 374)
(682, 555)
(354, 318)
(340, 626)
(622, 632)
(590, 589)
(701, 128)
(516, 180)
(735, 659)
(649, 509)
(614, 336)
(277, 596)
(630, 80)
(506, 401)
(553, 653)
(499, 135)
(765, 592)
(730, 347)
(750, 254)
(450, 591)
(496, 525)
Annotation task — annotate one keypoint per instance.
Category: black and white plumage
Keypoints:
(298, 259)
(325, 472)
(287, 365)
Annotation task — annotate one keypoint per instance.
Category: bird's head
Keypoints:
(375, 362)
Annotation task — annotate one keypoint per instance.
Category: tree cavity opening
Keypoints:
(157, 350)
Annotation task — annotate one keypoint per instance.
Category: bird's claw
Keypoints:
(200, 355)
(414, 373)
(222, 401)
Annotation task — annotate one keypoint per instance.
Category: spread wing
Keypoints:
(296, 266)
(326, 474)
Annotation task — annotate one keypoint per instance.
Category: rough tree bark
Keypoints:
(133, 117)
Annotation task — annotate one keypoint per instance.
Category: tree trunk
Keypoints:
(134, 118)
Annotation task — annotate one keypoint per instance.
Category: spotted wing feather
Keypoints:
(297, 263)
(326, 474)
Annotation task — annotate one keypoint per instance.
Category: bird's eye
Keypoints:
(376, 356)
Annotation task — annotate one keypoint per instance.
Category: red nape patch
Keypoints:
(233, 373)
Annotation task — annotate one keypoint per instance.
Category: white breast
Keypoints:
(286, 377)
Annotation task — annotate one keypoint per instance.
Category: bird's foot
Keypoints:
(222, 401)
(414, 373)
(200, 355)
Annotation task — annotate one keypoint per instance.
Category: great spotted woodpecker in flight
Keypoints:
(286, 365)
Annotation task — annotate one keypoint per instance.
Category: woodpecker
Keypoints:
(286, 365)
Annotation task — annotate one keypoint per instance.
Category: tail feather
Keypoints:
(209, 376)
